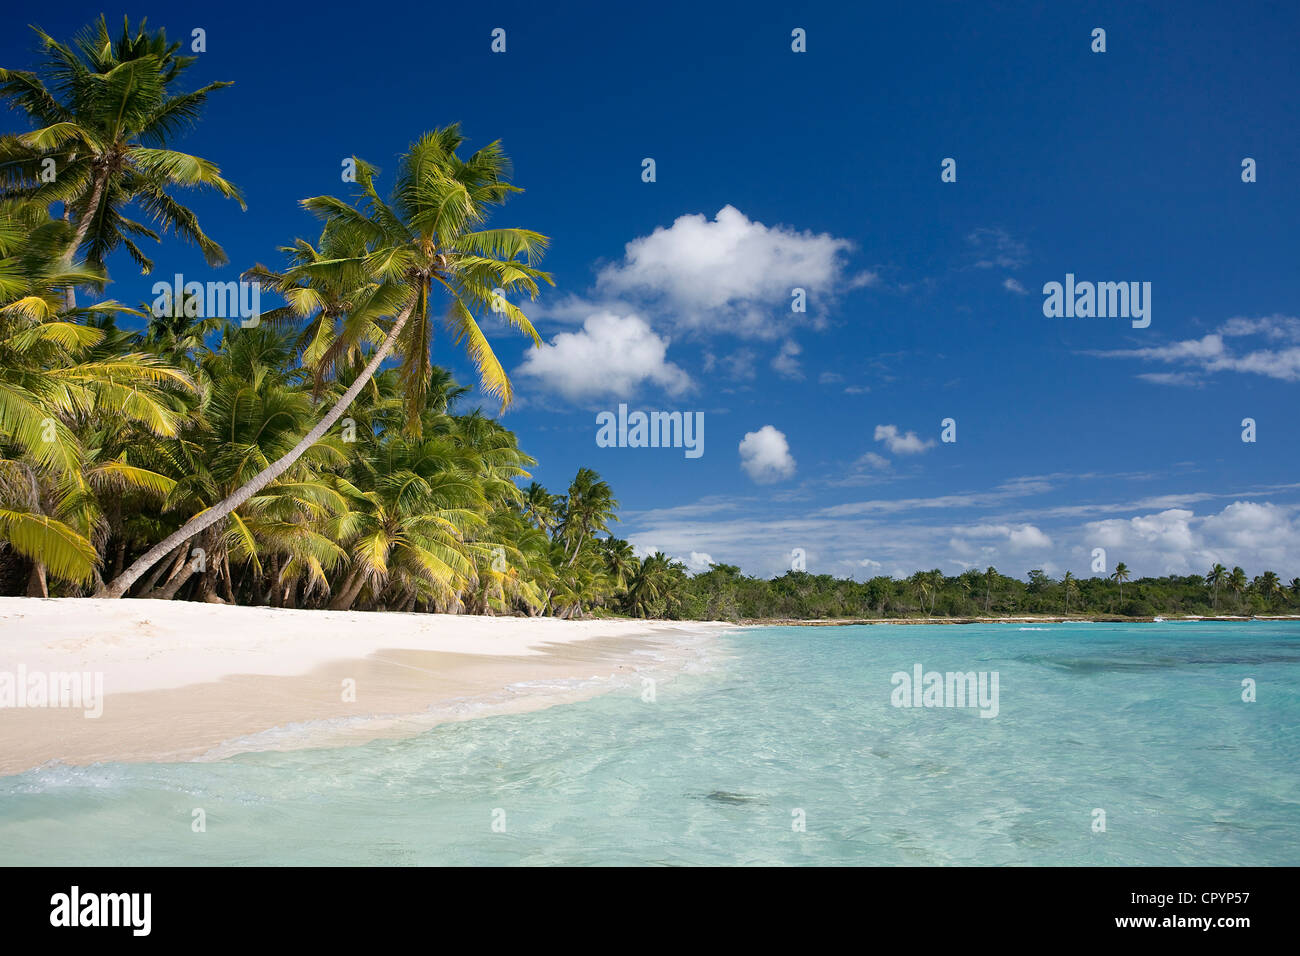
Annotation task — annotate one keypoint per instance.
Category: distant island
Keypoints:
(723, 593)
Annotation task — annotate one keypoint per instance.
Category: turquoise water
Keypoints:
(1145, 722)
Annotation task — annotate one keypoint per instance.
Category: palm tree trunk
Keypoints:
(273, 595)
(175, 566)
(170, 589)
(577, 548)
(226, 578)
(347, 596)
(83, 229)
(119, 585)
(36, 586)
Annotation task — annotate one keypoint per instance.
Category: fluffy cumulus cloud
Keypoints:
(1255, 535)
(1268, 346)
(1023, 537)
(730, 273)
(612, 355)
(901, 443)
(765, 455)
(698, 561)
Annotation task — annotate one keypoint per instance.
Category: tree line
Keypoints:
(724, 593)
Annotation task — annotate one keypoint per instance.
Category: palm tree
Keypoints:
(1070, 586)
(652, 590)
(989, 577)
(541, 507)
(620, 560)
(1269, 586)
(1216, 577)
(588, 507)
(426, 239)
(1238, 584)
(55, 383)
(409, 524)
(1119, 576)
(326, 289)
(105, 114)
(921, 586)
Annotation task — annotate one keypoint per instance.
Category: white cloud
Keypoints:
(1002, 529)
(1027, 536)
(611, 355)
(731, 273)
(1188, 379)
(1251, 534)
(996, 248)
(900, 443)
(1012, 285)
(739, 365)
(872, 460)
(1022, 537)
(765, 455)
(698, 561)
(1210, 353)
(786, 362)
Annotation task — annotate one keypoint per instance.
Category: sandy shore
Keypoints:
(183, 681)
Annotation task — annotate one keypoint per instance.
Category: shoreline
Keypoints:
(1019, 619)
(190, 681)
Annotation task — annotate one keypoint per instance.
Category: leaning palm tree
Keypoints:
(104, 115)
(1215, 579)
(1119, 576)
(427, 239)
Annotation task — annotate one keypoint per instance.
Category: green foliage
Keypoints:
(723, 593)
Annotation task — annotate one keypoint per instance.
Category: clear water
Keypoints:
(1143, 721)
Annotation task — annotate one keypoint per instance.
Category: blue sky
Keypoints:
(821, 170)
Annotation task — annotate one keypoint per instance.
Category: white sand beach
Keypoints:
(183, 680)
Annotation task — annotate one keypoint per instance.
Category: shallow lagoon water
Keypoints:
(781, 725)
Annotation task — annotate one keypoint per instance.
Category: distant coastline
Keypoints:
(1019, 619)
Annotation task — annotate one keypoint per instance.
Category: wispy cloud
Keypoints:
(996, 249)
(1216, 352)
